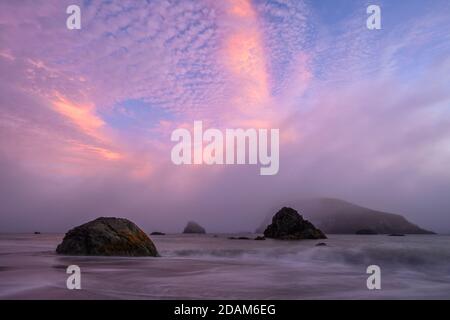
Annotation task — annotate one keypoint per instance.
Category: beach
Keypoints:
(215, 267)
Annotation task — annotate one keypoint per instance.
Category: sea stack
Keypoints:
(287, 224)
(107, 237)
(193, 227)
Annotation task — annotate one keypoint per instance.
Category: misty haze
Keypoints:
(361, 176)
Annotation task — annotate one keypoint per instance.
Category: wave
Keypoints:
(364, 255)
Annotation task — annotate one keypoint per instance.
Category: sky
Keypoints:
(86, 115)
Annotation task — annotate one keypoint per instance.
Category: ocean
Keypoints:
(215, 267)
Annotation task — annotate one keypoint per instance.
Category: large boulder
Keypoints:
(107, 237)
(193, 227)
(287, 224)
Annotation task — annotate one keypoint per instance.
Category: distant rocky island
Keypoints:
(193, 227)
(334, 216)
(107, 236)
(157, 233)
